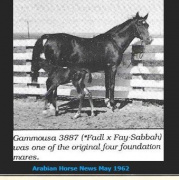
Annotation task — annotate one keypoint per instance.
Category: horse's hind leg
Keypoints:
(81, 97)
(107, 84)
(112, 86)
(48, 85)
(47, 97)
(45, 106)
(49, 92)
(56, 97)
(54, 101)
(88, 93)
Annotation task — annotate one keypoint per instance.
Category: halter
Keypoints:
(137, 30)
(142, 44)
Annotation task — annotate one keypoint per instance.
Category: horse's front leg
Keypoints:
(107, 84)
(54, 101)
(51, 95)
(81, 97)
(112, 85)
(89, 94)
(45, 106)
(47, 97)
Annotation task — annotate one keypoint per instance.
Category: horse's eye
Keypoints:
(140, 23)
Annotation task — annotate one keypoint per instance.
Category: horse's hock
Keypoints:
(141, 80)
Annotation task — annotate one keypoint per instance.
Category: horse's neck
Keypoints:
(124, 37)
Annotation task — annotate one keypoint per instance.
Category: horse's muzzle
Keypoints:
(148, 40)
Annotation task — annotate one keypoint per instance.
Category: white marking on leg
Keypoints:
(52, 107)
(106, 100)
(109, 105)
(77, 115)
(92, 114)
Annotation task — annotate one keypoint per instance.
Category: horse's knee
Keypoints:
(112, 86)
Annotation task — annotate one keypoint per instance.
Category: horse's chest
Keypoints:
(113, 53)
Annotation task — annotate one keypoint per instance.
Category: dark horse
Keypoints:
(58, 75)
(101, 53)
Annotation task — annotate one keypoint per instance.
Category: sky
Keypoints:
(83, 16)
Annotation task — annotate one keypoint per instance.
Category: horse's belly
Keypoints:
(89, 61)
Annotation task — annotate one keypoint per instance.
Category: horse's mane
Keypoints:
(120, 27)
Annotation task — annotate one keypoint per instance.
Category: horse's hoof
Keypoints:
(44, 112)
(113, 108)
(77, 115)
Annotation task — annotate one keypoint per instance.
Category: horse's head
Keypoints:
(141, 29)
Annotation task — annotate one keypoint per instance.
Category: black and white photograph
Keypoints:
(95, 64)
(88, 82)
(88, 90)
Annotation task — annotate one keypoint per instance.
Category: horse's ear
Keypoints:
(146, 16)
(137, 15)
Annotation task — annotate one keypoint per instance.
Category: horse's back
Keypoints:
(66, 50)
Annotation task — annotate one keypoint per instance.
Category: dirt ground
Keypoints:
(28, 115)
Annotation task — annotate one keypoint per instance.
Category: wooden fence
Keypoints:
(141, 79)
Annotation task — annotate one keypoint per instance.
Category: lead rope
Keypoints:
(140, 54)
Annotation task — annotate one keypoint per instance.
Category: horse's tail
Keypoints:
(37, 50)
